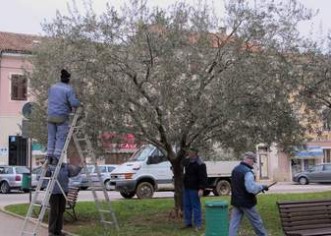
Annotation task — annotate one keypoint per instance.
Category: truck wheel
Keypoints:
(223, 187)
(145, 190)
(127, 195)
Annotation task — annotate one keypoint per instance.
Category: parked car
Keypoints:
(317, 174)
(11, 178)
(79, 180)
(37, 171)
(82, 181)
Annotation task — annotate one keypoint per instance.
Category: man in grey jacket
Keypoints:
(61, 102)
(243, 196)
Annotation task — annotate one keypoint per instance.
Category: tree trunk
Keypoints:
(178, 183)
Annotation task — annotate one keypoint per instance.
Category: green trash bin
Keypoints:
(26, 182)
(217, 218)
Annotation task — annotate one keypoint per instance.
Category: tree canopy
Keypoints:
(181, 75)
(185, 75)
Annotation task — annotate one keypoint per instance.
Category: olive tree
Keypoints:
(179, 77)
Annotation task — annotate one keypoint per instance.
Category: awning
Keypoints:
(309, 153)
(38, 149)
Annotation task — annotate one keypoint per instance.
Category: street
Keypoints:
(86, 195)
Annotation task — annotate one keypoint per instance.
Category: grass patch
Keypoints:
(151, 217)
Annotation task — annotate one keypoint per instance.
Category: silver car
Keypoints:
(317, 174)
(82, 181)
(11, 177)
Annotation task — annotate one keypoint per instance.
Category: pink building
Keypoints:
(14, 86)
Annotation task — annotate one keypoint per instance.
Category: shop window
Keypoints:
(327, 156)
(296, 166)
(19, 87)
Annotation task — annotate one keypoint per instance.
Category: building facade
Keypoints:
(275, 165)
(15, 50)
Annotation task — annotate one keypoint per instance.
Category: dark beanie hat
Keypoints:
(65, 75)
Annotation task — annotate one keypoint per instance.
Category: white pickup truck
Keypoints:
(148, 170)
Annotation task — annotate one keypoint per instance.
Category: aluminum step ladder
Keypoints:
(41, 198)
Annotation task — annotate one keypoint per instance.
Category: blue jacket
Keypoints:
(61, 99)
(66, 171)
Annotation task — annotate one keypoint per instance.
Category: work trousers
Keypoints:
(57, 135)
(253, 216)
(57, 203)
(192, 205)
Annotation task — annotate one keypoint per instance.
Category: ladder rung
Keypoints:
(82, 139)
(107, 222)
(104, 211)
(45, 178)
(29, 233)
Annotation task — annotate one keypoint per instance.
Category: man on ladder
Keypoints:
(61, 102)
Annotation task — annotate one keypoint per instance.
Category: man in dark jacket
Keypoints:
(195, 181)
(243, 198)
(57, 201)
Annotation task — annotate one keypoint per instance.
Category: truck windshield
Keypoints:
(142, 154)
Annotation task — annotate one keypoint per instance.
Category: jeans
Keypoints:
(253, 217)
(57, 135)
(57, 203)
(192, 205)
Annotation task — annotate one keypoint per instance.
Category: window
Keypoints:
(111, 168)
(326, 116)
(158, 157)
(9, 170)
(102, 169)
(316, 168)
(18, 87)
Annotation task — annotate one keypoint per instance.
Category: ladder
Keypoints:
(41, 198)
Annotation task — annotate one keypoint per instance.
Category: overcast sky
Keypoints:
(25, 16)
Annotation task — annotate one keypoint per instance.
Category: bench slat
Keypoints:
(306, 227)
(304, 217)
(314, 232)
(304, 208)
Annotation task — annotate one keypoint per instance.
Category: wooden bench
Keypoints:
(305, 218)
(70, 204)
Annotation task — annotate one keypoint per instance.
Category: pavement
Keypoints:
(11, 224)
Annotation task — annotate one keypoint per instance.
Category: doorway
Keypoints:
(264, 174)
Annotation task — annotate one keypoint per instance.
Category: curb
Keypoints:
(2, 209)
